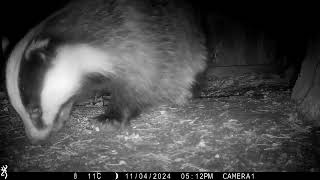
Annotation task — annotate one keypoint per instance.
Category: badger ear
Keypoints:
(37, 47)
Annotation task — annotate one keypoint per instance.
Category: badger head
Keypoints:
(44, 78)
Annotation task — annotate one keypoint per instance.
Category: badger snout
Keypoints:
(36, 115)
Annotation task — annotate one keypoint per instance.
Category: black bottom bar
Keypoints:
(162, 175)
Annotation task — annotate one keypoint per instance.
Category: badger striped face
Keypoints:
(48, 76)
(34, 64)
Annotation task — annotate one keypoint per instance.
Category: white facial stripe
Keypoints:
(64, 78)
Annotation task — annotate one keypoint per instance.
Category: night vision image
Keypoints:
(159, 86)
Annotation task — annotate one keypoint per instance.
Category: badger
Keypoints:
(143, 52)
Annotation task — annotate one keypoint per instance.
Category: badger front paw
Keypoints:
(113, 119)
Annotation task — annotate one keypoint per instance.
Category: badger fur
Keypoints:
(143, 52)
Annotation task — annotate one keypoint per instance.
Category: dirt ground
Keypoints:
(258, 130)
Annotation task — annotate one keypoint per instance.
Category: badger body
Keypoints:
(143, 52)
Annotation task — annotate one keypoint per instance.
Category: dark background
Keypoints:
(292, 24)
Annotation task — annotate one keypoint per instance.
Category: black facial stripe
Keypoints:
(31, 76)
(37, 58)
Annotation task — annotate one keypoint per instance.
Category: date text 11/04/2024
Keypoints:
(165, 175)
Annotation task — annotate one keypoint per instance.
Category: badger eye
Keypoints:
(42, 56)
(35, 113)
